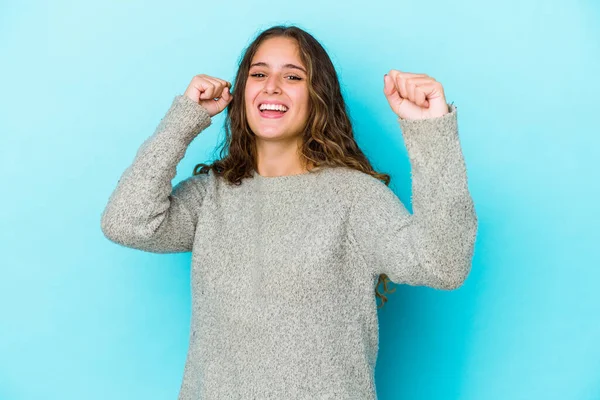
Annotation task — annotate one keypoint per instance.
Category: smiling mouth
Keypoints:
(285, 108)
(271, 113)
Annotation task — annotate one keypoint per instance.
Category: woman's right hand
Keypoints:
(204, 89)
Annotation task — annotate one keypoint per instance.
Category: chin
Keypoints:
(268, 130)
(271, 135)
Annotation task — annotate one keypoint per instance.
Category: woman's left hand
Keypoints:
(414, 96)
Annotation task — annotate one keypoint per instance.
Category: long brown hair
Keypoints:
(328, 137)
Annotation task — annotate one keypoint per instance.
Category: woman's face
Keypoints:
(277, 75)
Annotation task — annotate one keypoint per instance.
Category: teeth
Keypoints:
(278, 107)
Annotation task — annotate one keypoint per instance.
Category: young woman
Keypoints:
(291, 230)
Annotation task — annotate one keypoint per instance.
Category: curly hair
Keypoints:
(328, 137)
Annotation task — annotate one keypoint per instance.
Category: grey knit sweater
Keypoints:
(284, 268)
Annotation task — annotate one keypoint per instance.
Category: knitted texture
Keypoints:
(284, 268)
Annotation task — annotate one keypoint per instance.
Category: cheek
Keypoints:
(302, 99)
(249, 104)
(249, 96)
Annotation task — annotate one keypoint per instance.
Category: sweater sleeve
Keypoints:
(433, 246)
(144, 211)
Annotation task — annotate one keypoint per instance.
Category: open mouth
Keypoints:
(272, 111)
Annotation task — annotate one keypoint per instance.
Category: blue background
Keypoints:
(84, 84)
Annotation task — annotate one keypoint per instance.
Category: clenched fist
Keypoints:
(414, 96)
(210, 92)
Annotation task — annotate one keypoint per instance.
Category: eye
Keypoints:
(296, 78)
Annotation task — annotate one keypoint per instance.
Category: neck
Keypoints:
(280, 159)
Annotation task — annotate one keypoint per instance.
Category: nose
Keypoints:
(272, 84)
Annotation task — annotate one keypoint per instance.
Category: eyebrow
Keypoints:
(264, 64)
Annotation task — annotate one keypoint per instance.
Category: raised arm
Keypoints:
(144, 211)
(433, 246)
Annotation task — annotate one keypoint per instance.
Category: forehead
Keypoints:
(278, 51)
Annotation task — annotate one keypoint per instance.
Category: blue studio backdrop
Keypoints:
(85, 83)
